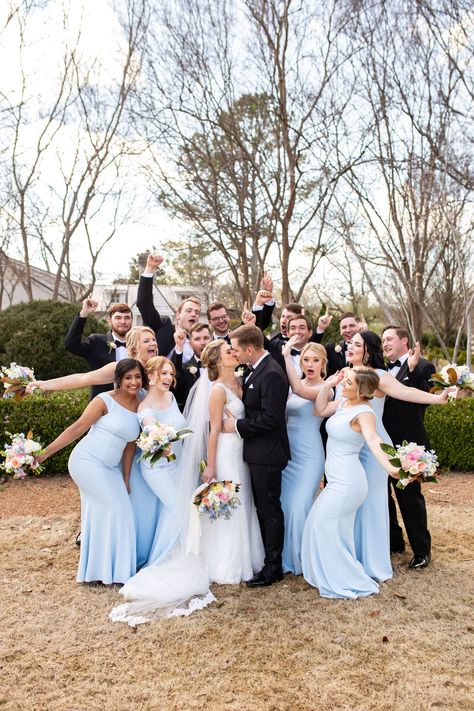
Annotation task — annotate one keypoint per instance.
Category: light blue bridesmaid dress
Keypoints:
(162, 479)
(372, 523)
(108, 544)
(301, 478)
(328, 550)
(145, 505)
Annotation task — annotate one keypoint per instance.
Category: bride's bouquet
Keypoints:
(21, 456)
(217, 499)
(15, 379)
(452, 374)
(155, 441)
(415, 462)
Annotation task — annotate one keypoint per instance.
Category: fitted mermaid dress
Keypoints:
(162, 479)
(301, 478)
(372, 523)
(108, 544)
(232, 548)
(328, 554)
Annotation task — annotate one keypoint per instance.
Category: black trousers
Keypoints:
(266, 486)
(411, 503)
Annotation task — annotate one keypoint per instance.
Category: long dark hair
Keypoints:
(373, 354)
(124, 366)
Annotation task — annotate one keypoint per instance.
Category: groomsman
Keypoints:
(299, 327)
(348, 327)
(187, 314)
(187, 374)
(405, 420)
(100, 348)
(289, 310)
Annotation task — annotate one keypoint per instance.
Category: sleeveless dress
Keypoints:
(108, 545)
(162, 479)
(145, 505)
(372, 523)
(302, 476)
(232, 548)
(328, 550)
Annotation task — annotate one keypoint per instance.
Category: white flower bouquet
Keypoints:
(21, 456)
(15, 379)
(155, 441)
(414, 461)
(452, 374)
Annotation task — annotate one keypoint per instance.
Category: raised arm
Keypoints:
(217, 400)
(93, 412)
(73, 341)
(297, 385)
(101, 376)
(391, 386)
(366, 422)
(145, 304)
(324, 406)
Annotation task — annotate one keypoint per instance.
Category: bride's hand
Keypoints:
(208, 475)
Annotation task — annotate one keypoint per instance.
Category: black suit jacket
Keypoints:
(336, 361)
(185, 379)
(404, 420)
(264, 426)
(161, 325)
(94, 349)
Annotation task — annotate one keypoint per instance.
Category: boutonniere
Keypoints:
(111, 345)
(338, 348)
(192, 369)
(239, 372)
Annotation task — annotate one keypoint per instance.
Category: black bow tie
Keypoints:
(294, 352)
(120, 344)
(284, 338)
(395, 364)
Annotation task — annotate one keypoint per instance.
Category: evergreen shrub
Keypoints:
(32, 334)
(47, 415)
(451, 433)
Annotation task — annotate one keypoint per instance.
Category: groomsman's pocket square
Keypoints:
(251, 386)
(407, 378)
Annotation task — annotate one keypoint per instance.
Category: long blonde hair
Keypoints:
(132, 340)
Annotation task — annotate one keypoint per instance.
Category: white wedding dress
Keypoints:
(224, 551)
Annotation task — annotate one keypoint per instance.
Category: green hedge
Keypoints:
(32, 335)
(47, 416)
(450, 431)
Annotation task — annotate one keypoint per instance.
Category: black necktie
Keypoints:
(120, 344)
(294, 352)
(395, 364)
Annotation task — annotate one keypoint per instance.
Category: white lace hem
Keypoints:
(124, 612)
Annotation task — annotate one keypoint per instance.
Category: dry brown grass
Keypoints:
(273, 649)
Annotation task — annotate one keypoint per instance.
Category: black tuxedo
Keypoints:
(94, 349)
(266, 450)
(336, 361)
(186, 376)
(161, 325)
(404, 420)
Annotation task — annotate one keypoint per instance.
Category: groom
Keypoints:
(266, 446)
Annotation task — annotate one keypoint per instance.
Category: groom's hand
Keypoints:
(228, 424)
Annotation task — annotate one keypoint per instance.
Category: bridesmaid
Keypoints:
(100, 466)
(141, 345)
(328, 550)
(372, 526)
(162, 477)
(303, 474)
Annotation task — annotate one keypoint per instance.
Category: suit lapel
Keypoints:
(402, 371)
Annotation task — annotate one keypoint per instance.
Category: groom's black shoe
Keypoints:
(265, 578)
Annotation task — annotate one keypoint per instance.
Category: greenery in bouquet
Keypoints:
(452, 374)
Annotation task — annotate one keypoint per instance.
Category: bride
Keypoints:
(222, 551)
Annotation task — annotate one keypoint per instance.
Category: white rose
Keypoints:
(337, 348)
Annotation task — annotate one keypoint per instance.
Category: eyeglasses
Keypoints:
(219, 318)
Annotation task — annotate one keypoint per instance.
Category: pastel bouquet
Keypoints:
(15, 379)
(157, 438)
(414, 461)
(452, 374)
(217, 499)
(20, 455)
